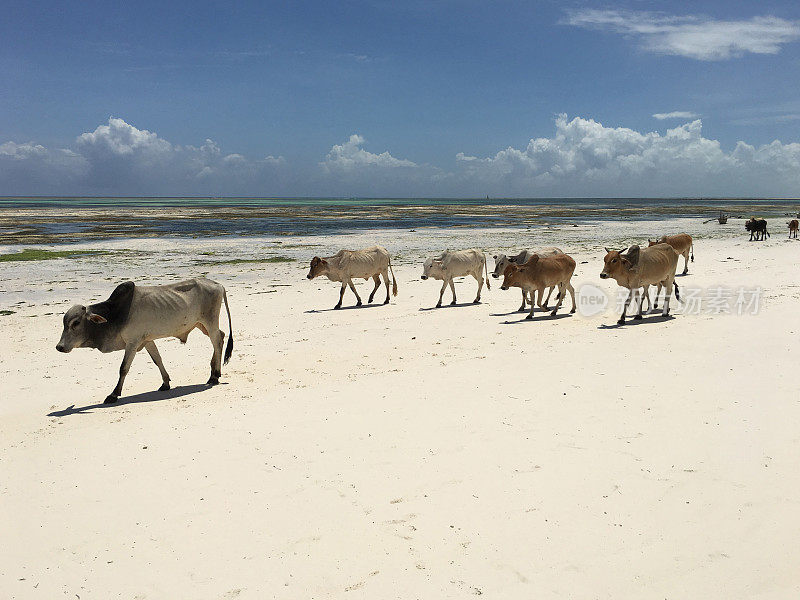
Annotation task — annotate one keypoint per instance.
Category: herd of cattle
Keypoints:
(134, 316)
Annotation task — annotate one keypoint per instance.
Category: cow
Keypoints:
(347, 265)
(793, 226)
(459, 263)
(642, 267)
(683, 245)
(501, 261)
(757, 229)
(539, 272)
(136, 315)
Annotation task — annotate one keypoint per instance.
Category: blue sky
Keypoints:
(444, 98)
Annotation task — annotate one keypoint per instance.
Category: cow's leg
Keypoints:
(621, 320)
(341, 295)
(562, 292)
(353, 287)
(377, 279)
(130, 352)
(667, 293)
(546, 300)
(640, 297)
(217, 338)
(453, 289)
(386, 281)
(533, 304)
(524, 300)
(153, 352)
(441, 293)
(685, 262)
(571, 291)
(479, 279)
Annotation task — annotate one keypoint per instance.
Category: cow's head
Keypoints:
(512, 274)
(432, 267)
(78, 322)
(318, 267)
(501, 261)
(618, 265)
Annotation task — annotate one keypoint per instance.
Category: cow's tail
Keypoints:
(394, 279)
(677, 292)
(486, 268)
(229, 347)
(692, 249)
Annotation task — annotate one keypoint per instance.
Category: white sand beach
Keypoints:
(401, 452)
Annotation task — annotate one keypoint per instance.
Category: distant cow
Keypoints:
(642, 267)
(501, 261)
(459, 263)
(347, 265)
(757, 229)
(793, 226)
(683, 245)
(134, 316)
(541, 272)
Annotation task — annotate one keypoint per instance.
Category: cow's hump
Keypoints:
(116, 309)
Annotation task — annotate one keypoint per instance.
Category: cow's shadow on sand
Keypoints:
(176, 392)
(351, 307)
(448, 305)
(537, 311)
(547, 317)
(629, 321)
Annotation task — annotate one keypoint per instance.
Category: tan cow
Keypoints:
(136, 315)
(458, 263)
(793, 226)
(683, 245)
(540, 272)
(347, 265)
(501, 261)
(642, 267)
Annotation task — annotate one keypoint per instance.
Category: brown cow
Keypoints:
(541, 272)
(683, 245)
(793, 226)
(642, 267)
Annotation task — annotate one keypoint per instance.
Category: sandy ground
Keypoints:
(402, 452)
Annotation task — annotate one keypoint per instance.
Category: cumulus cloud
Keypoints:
(676, 114)
(119, 158)
(350, 156)
(586, 158)
(697, 37)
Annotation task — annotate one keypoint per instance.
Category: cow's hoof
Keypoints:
(637, 317)
(620, 321)
(572, 312)
(212, 380)
(370, 300)
(164, 387)
(359, 303)
(686, 272)
(386, 301)
(110, 399)
(521, 309)
(337, 307)
(476, 301)
(453, 303)
(529, 318)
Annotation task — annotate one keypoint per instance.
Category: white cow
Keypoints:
(459, 263)
(347, 265)
(134, 316)
(501, 261)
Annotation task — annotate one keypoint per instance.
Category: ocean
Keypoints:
(48, 220)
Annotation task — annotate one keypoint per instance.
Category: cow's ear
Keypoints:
(95, 318)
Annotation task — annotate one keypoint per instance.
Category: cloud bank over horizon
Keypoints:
(583, 158)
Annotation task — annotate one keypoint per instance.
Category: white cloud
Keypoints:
(350, 156)
(697, 37)
(119, 158)
(676, 114)
(585, 158)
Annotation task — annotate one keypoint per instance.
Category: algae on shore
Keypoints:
(36, 254)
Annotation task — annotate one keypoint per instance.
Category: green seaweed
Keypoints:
(35, 254)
